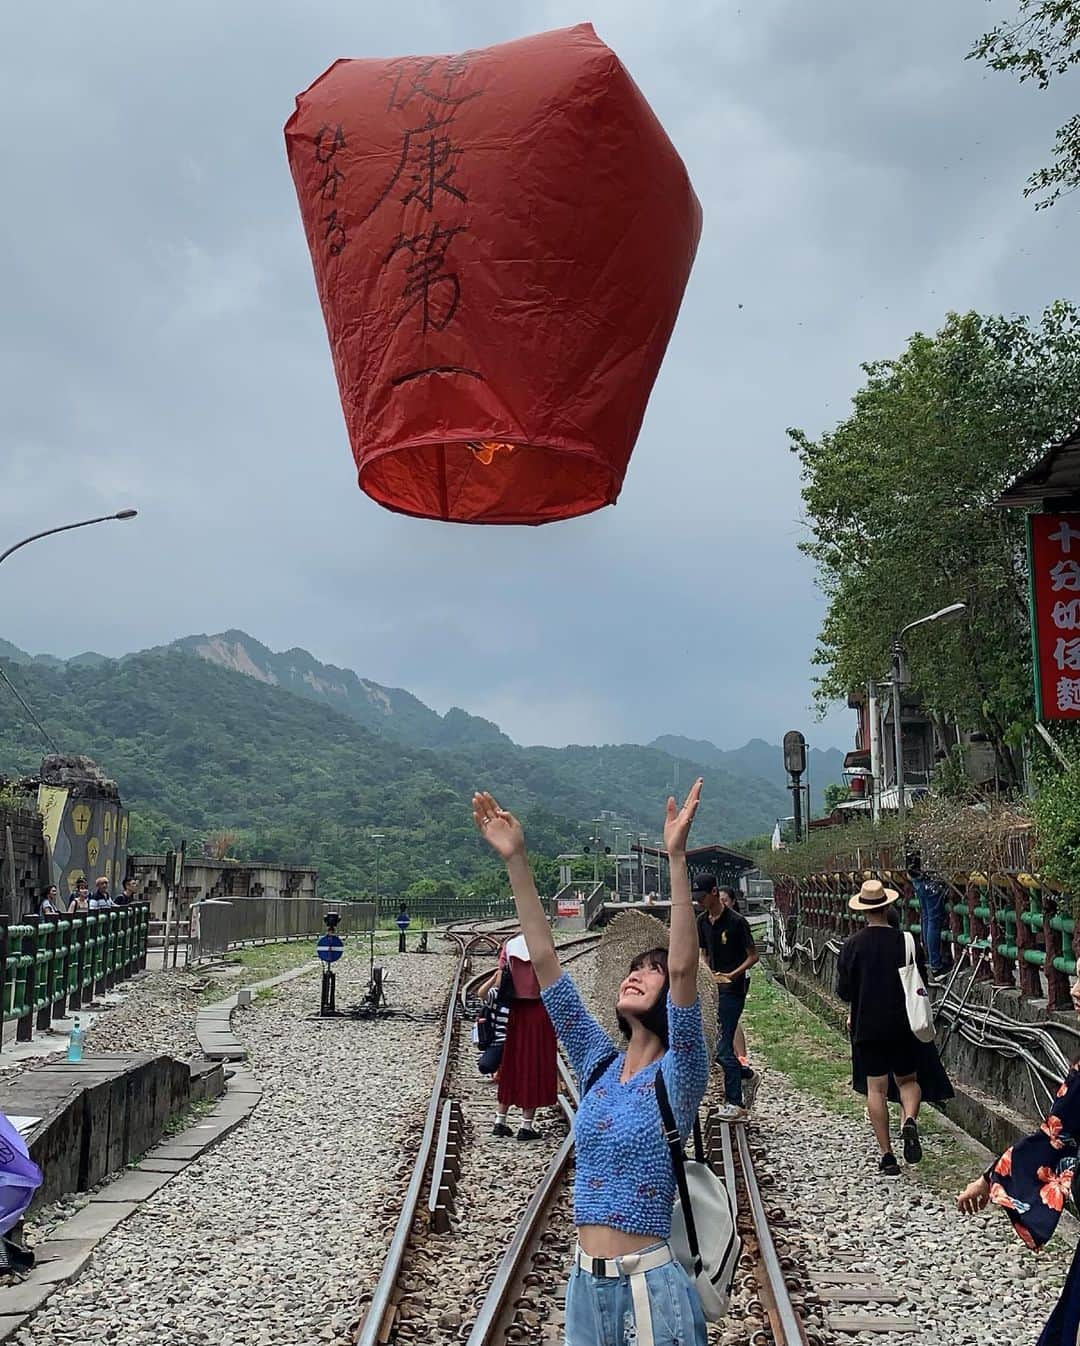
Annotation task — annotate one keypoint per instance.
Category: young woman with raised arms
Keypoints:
(626, 1289)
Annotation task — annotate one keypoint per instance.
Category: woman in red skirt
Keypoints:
(528, 1078)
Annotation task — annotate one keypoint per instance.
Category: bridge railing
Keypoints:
(220, 924)
(442, 911)
(1018, 931)
(53, 965)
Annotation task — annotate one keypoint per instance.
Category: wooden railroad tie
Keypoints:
(860, 1287)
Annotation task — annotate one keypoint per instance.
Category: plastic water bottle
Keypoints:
(75, 1041)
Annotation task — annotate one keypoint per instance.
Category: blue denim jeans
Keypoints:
(729, 1008)
(931, 920)
(600, 1310)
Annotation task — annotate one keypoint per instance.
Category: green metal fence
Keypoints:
(1018, 930)
(53, 965)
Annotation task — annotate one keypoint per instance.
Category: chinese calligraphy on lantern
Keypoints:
(428, 181)
(1054, 557)
(329, 140)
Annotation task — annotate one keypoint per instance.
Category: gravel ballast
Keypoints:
(266, 1240)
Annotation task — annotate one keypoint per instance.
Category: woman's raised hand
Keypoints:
(501, 830)
(677, 823)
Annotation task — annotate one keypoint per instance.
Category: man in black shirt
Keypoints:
(728, 947)
(882, 1043)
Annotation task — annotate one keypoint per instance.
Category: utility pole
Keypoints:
(377, 838)
(898, 730)
(873, 715)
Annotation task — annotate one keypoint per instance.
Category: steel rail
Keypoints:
(486, 1329)
(791, 1328)
(489, 1328)
(382, 1296)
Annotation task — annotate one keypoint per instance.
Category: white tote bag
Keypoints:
(703, 1235)
(916, 998)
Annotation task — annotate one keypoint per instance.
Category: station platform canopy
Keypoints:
(722, 862)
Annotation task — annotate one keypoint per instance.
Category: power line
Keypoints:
(15, 693)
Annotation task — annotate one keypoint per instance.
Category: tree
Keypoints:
(1041, 44)
(898, 502)
(835, 793)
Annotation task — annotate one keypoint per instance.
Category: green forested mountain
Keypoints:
(197, 748)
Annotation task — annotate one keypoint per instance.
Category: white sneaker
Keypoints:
(728, 1112)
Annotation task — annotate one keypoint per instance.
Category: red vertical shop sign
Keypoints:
(1054, 562)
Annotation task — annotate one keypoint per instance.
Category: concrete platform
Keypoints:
(62, 1257)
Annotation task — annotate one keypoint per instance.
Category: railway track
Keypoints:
(521, 1295)
(767, 1276)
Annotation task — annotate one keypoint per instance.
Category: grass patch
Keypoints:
(194, 1112)
(817, 1060)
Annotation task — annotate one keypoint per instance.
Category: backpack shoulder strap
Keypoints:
(595, 1074)
(678, 1162)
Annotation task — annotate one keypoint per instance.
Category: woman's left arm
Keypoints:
(683, 946)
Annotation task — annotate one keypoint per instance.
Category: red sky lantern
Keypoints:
(501, 240)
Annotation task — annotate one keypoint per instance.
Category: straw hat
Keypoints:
(628, 935)
(873, 895)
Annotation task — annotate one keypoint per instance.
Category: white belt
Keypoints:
(634, 1266)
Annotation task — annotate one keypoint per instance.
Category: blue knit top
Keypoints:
(624, 1178)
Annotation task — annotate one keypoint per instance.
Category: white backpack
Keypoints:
(703, 1234)
(916, 999)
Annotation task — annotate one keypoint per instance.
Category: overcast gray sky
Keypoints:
(161, 344)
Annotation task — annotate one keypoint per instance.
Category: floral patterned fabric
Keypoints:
(1033, 1178)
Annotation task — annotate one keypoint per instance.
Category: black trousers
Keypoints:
(401, 941)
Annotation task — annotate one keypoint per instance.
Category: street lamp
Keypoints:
(949, 614)
(66, 527)
(378, 838)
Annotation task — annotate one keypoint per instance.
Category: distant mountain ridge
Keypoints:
(825, 766)
(746, 785)
(381, 709)
(199, 748)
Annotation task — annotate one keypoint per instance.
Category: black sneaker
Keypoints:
(501, 1129)
(527, 1133)
(909, 1133)
(888, 1167)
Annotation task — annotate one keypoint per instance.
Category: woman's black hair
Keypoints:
(655, 1017)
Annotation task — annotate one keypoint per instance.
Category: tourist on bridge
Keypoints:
(80, 898)
(102, 898)
(626, 1286)
(1032, 1181)
(725, 939)
(528, 1069)
(50, 902)
(402, 922)
(887, 1060)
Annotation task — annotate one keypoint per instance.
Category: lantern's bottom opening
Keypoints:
(490, 481)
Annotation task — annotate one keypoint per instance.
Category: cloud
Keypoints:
(161, 345)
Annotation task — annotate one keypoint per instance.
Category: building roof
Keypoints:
(1055, 477)
(704, 855)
